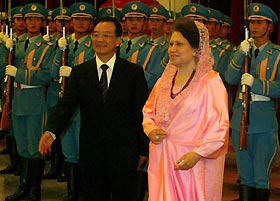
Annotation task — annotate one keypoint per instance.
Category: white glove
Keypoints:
(247, 79)
(65, 71)
(1, 35)
(245, 46)
(62, 43)
(11, 70)
(46, 37)
(4, 37)
(9, 43)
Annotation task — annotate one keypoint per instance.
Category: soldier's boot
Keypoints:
(13, 154)
(246, 193)
(72, 174)
(24, 181)
(262, 194)
(36, 180)
(3, 136)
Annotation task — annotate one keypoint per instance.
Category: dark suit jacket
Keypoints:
(111, 131)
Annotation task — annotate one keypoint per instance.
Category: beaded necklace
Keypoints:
(173, 95)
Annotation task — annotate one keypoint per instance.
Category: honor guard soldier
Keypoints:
(137, 48)
(157, 17)
(56, 157)
(31, 75)
(51, 26)
(79, 51)
(214, 25)
(254, 163)
(169, 24)
(19, 36)
(124, 27)
(227, 49)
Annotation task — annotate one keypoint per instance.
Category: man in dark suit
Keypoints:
(112, 142)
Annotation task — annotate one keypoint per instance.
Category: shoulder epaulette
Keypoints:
(219, 43)
(213, 46)
(277, 47)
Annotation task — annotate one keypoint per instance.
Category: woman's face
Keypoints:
(180, 51)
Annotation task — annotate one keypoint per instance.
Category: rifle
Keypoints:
(62, 79)
(7, 106)
(245, 91)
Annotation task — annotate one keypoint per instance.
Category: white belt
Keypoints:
(256, 97)
(24, 86)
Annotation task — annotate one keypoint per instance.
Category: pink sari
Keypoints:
(196, 120)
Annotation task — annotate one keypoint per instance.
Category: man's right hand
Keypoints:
(45, 143)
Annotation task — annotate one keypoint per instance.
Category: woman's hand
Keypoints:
(187, 161)
(157, 136)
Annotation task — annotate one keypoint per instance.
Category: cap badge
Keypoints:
(109, 11)
(134, 6)
(33, 7)
(64, 11)
(82, 7)
(155, 9)
(256, 8)
(193, 9)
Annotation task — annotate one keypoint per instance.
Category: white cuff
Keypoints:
(52, 134)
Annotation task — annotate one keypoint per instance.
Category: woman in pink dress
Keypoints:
(186, 120)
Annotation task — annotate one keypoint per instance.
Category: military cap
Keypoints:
(157, 12)
(195, 11)
(16, 11)
(34, 10)
(261, 11)
(61, 14)
(50, 15)
(82, 9)
(215, 15)
(135, 9)
(108, 11)
(227, 21)
(171, 16)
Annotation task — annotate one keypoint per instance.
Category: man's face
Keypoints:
(81, 24)
(19, 24)
(211, 26)
(224, 31)
(135, 25)
(168, 27)
(52, 27)
(104, 39)
(34, 24)
(260, 28)
(156, 26)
